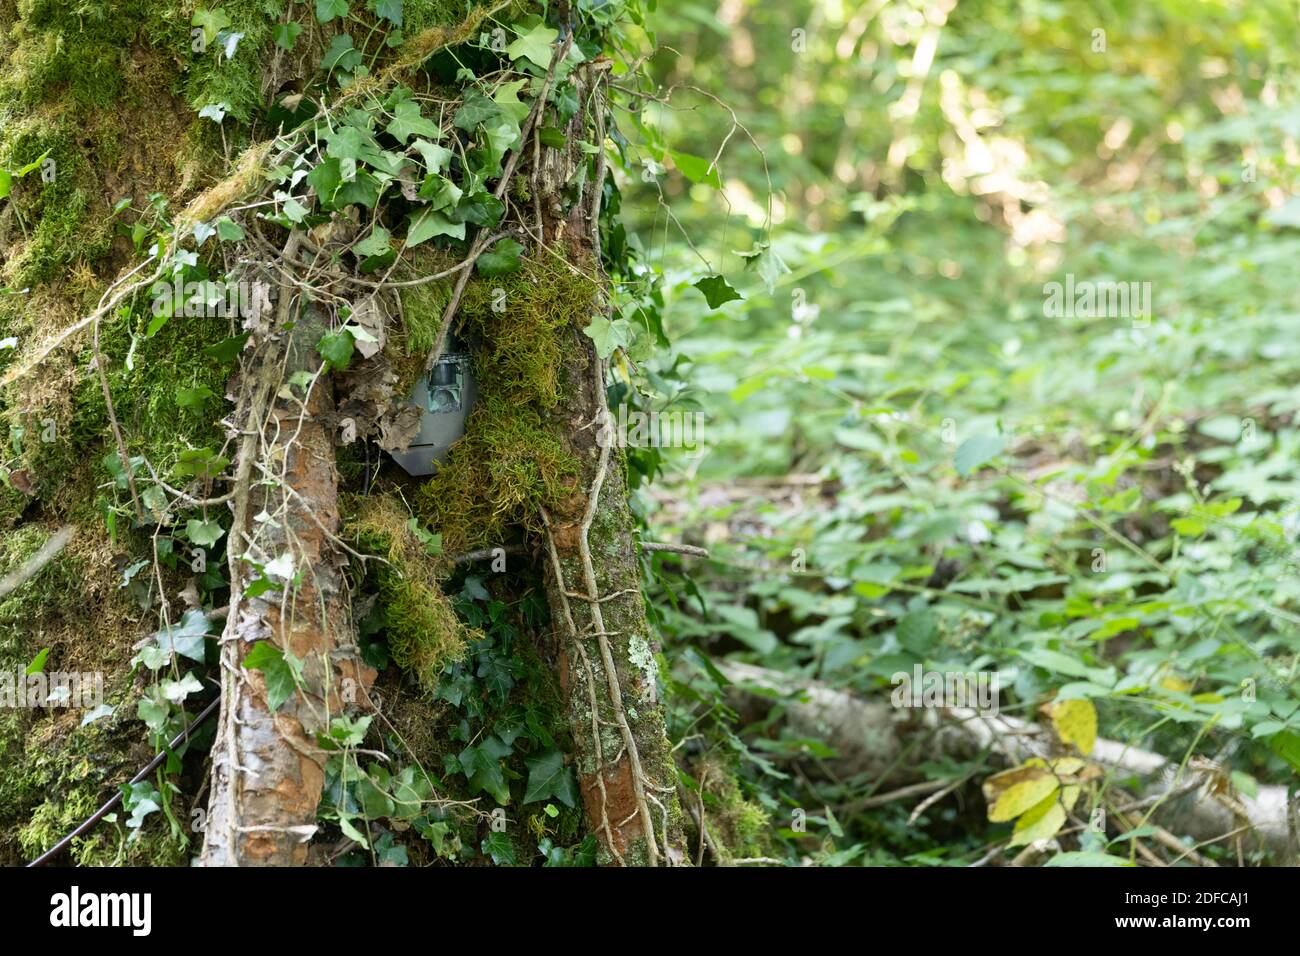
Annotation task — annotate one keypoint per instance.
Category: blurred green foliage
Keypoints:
(1092, 506)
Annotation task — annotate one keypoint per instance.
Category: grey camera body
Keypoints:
(445, 395)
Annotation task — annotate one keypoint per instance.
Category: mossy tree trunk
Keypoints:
(93, 361)
(267, 765)
(608, 671)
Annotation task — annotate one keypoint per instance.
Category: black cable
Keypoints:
(99, 814)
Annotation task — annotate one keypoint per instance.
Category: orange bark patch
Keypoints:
(620, 804)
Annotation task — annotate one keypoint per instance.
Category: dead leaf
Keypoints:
(1075, 722)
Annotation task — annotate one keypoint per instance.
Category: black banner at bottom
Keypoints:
(330, 905)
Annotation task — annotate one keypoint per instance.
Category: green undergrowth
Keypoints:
(158, 424)
(54, 772)
(738, 827)
(490, 742)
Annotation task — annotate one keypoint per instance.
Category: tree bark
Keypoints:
(607, 667)
(267, 769)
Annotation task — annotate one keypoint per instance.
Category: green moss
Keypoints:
(423, 305)
(236, 82)
(81, 789)
(740, 827)
(145, 395)
(420, 15)
(424, 634)
(510, 461)
(79, 49)
(53, 215)
(520, 318)
(508, 464)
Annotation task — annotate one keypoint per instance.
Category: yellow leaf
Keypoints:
(1075, 722)
(1040, 822)
(1069, 797)
(1012, 792)
(1175, 683)
(1066, 766)
(996, 784)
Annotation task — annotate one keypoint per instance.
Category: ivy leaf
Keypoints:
(411, 789)
(327, 10)
(549, 777)
(566, 103)
(435, 157)
(227, 349)
(212, 22)
(38, 663)
(364, 190)
(608, 336)
(476, 109)
(429, 224)
(193, 397)
(375, 244)
(407, 122)
(294, 211)
(390, 10)
(345, 732)
(200, 463)
(346, 143)
(552, 136)
(375, 803)
(498, 846)
(352, 833)
(497, 675)
(140, 800)
(482, 209)
(228, 230)
(185, 638)
(482, 768)
(214, 111)
(336, 348)
(440, 191)
(153, 713)
(99, 713)
(501, 260)
(507, 97)
(534, 46)
(269, 659)
(695, 169)
(326, 179)
(975, 451)
(501, 136)
(286, 34)
(230, 43)
(341, 54)
(203, 533)
(716, 290)
(177, 690)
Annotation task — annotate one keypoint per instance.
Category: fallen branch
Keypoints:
(32, 566)
(674, 548)
(871, 737)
